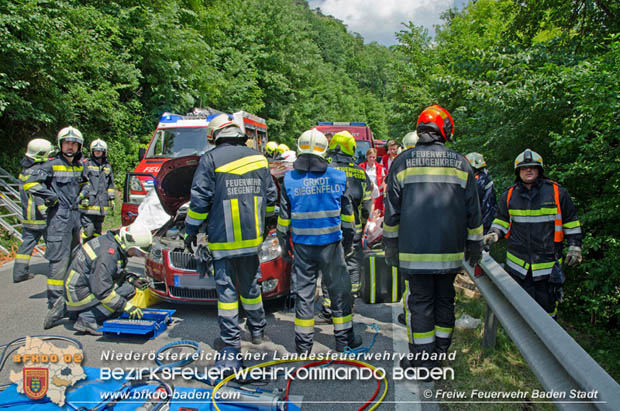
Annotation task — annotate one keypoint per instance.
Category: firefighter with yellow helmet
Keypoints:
(536, 215)
(342, 148)
(271, 149)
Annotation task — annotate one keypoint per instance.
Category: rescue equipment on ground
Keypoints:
(380, 282)
(153, 323)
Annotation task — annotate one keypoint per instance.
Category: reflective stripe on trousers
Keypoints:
(30, 238)
(243, 271)
(329, 259)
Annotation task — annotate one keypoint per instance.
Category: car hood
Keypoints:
(174, 181)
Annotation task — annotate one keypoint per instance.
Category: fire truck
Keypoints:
(360, 131)
(179, 136)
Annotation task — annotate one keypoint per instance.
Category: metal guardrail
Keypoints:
(559, 363)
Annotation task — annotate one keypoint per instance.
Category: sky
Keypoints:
(379, 20)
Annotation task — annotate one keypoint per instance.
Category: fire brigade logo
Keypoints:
(35, 382)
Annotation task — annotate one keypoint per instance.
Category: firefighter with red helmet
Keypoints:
(432, 221)
(535, 215)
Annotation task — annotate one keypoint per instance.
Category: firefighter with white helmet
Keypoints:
(486, 191)
(410, 140)
(317, 214)
(63, 176)
(35, 199)
(97, 286)
(536, 215)
(97, 197)
(232, 191)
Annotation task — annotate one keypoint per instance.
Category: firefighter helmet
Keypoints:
(282, 148)
(135, 235)
(70, 134)
(410, 139)
(344, 141)
(528, 158)
(99, 145)
(476, 160)
(39, 149)
(271, 148)
(437, 119)
(312, 142)
(223, 126)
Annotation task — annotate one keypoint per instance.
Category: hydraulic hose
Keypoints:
(276, 362)
(325, 362)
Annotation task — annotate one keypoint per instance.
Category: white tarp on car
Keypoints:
(151, 213)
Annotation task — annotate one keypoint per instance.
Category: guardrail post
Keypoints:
(490, 329)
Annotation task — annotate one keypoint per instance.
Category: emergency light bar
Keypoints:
(340, 123)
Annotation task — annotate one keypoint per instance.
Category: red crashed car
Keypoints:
(173, 270)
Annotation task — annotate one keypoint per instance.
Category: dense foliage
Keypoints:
(543, 74)
(537, 74)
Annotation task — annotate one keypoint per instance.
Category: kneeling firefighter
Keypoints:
(318, 214)
(234, 192)
(97, 285)
(342, 148)
(35, 198)
(97, 197)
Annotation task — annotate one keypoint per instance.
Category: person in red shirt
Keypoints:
(387, 159)
(377, 174)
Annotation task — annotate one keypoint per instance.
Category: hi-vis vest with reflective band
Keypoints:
(431, 209)
(65, 179)
(358, 189)
(315, 201)
(100, 187)
(34, 210)
(90, 279)
(234, 191)
(536, 228)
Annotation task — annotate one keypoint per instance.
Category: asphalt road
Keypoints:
(24, 307)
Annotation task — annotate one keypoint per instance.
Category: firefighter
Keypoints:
(431, 189)
(341, 154)
(270, 149)
(316, 212)
(234, 192)
(410, 140)
(97, 197)
(35, 199)
(63, 176)
(97, 285)
(536, 215)
(282, 148)
(486, 192)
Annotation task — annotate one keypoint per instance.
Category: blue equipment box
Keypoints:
(153, 322)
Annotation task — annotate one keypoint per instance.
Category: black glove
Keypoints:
(189, 240)
(141, 283)
(204, 261)
(473, 254)
(391, 256)
(285, 246)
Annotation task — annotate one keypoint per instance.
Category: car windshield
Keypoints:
(360, 151)
(179, 142)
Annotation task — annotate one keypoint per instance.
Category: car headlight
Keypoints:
(269, 285)
(269, 249)
(155, 254)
